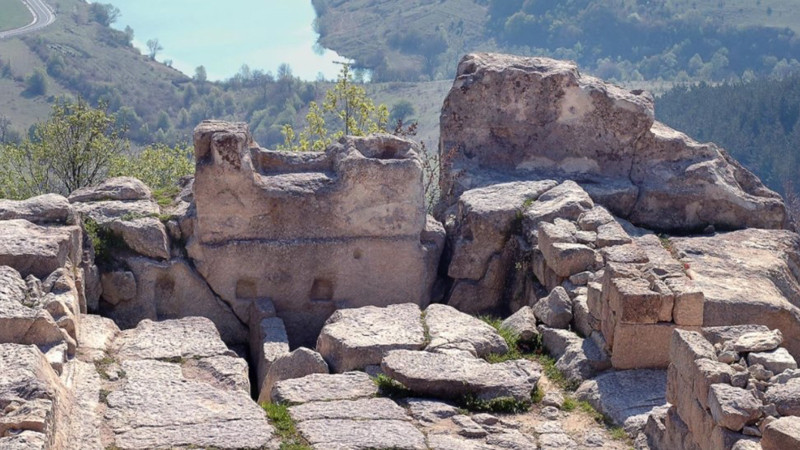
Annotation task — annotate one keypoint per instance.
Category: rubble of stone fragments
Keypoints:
(640, 286)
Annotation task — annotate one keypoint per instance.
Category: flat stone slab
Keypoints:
(159, 408)
(758, 341)
(451, 377)
(451, 329)
(429, 411)
(442, 441)
(361, 409)
(775, 361)
(223, 372)
(321, 387)
(362, 434)
(355, 338)
(628, 396)
(47, 208)
(190, 337)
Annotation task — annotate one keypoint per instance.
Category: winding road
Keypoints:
(42, 17)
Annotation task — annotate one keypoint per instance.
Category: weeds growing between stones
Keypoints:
(285, 427)
(387, 387)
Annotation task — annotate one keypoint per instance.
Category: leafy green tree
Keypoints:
(153, 47)
(36, 83)
(163, 122)
(159, 166)
(128, 35)
(104, 14)
(401, 110)
(73, 149)
(346, 110)
(200, 74)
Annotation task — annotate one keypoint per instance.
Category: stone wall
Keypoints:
(726, 385)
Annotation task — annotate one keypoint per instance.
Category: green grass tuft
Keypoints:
(101, 366)
(280, 418)
(388, 387)
(507, 405)
(619, 434)
(425, 329)
(165, 196)
(552, 373)
(511, 338)
(569, 404)
(598, 417)
(537, 395)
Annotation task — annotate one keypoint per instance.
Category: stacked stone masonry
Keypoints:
(727, 385)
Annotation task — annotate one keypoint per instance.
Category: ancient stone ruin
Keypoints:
(311, 232)
(655, 271)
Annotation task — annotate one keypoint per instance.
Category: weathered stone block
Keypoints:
(687, 346)
(775, 361)
(781, 434)
(732, 407)
(355, 338)
(633, 301)
(706, 373)
(689, 301)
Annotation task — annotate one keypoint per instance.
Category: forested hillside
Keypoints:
(758, 122)
(80, 56)
(625, 40)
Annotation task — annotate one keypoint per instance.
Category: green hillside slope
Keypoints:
(14, 15)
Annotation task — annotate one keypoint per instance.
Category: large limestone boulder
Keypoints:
(348, 219)
(452, 330)
(41, 210)
(355, 338)
(38, 250)
(119, 188)
(782, 433)
(479, 228)
(320, 387)
(191, 337)
(748, 277)
(126, 208)
(46, 319)
(547, 120)
(297, 364)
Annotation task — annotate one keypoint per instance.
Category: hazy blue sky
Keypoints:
(223, 35)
